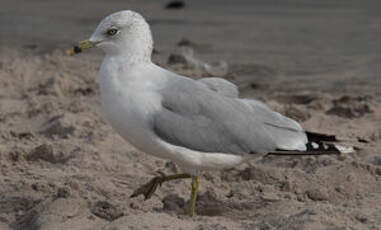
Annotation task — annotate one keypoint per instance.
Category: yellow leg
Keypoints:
(149, 188)
(195, 185)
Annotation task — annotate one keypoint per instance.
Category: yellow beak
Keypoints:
(86, 44)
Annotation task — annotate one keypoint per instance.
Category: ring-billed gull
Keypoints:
(200, 125)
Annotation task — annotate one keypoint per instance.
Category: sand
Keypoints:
(63, 167)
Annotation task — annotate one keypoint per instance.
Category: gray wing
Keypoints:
(221, 86)
(285, 131)
(200, 119)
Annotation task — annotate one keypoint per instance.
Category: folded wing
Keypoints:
(198, 118)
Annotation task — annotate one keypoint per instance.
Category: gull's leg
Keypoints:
(149, 188)
(195, 185)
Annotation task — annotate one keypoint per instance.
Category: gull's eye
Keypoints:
(111, 32)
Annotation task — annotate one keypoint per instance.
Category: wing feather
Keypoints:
(197, 118)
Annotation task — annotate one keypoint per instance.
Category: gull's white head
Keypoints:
(123, 33)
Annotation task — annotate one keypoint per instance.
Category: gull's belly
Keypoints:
(195, 161)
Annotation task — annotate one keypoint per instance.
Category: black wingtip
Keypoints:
(300, 153)
(318, 144)
(317, 137)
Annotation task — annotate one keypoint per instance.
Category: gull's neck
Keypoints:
(123, 67)
(126, 60)
(125, 70)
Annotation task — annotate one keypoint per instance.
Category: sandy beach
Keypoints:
(63, 167)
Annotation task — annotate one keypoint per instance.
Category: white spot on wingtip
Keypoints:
(344, 149)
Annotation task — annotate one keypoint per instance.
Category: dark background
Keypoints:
(323, 45)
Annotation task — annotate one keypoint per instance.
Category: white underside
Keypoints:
(194, 161)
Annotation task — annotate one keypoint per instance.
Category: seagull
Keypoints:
(198, 124)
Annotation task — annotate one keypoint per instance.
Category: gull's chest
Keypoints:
(129, 107)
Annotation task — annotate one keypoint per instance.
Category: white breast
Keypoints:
(129, 102)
